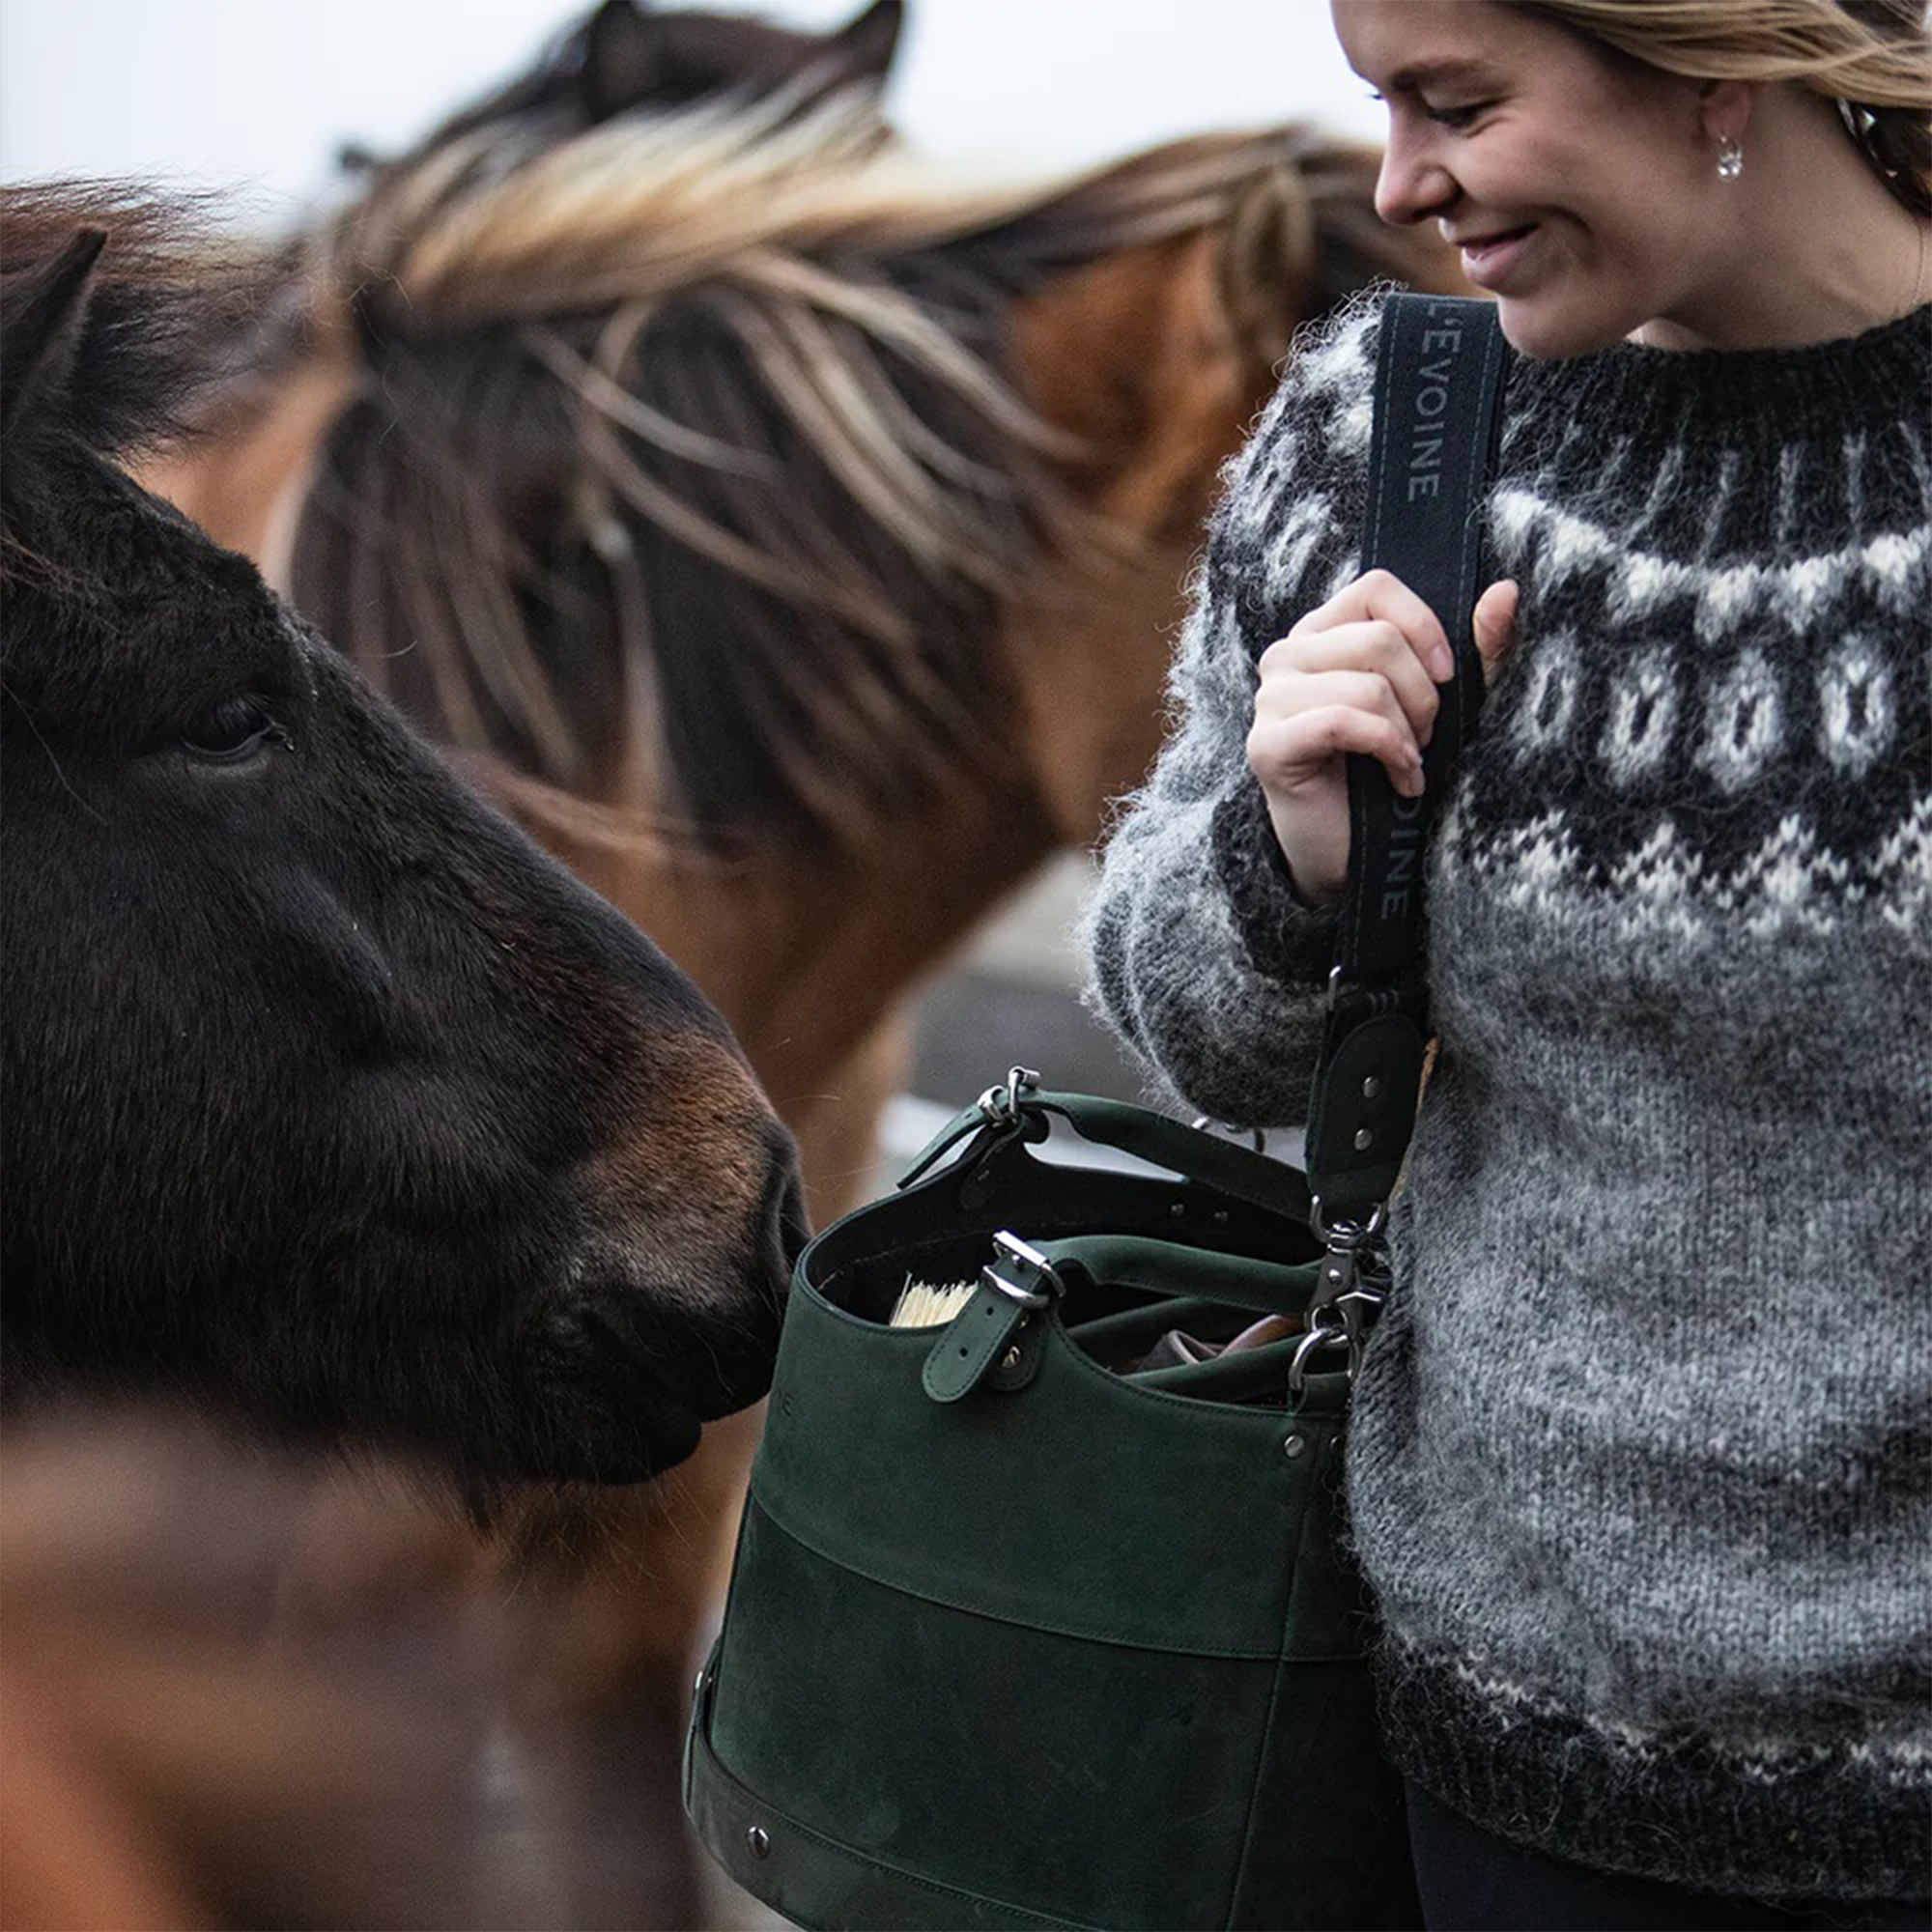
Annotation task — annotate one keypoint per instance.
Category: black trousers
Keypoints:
(1472, 1881)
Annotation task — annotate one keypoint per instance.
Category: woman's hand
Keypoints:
(1359, 674)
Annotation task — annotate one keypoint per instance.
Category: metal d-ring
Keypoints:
(1316, 1338)
(1001, 1105)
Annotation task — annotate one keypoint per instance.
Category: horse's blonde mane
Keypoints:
(499, 226)
(868, 484)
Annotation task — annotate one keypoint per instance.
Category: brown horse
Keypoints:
(792, 536)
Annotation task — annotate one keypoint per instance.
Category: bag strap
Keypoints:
(1439, 374)
(1437, 386)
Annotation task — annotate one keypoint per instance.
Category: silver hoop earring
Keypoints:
(1730, 159)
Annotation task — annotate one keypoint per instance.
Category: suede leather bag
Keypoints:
(1072, 1647)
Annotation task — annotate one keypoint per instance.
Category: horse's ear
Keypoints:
(43, 322)
(623, 58)
(865, 46)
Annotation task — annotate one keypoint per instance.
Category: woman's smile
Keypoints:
(1488, 259)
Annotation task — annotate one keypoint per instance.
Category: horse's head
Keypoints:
(327, 1094)
(631, 56)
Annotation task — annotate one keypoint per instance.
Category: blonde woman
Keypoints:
(1641, 1457)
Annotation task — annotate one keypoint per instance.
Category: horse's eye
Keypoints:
(235, 729)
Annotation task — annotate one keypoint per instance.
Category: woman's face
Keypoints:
(1582, 188)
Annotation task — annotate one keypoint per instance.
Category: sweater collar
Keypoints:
(1828, 389)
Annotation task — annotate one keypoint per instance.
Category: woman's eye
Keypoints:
(1454, 117)
(236, 728)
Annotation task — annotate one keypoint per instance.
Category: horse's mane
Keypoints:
(165, 291)
(747, 381)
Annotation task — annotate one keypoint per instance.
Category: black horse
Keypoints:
(328, 1095)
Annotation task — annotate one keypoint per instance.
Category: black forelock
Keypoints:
(168, 291)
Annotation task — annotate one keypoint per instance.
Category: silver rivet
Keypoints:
(760, 1845)
(1178, 1210)
(1010, 1360)
(1364, 1140)
(1295, 1446)
(1371, 1087)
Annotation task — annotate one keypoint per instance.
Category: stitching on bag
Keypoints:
(763, 1503)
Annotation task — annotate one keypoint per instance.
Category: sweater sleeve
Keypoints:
(1204, 958)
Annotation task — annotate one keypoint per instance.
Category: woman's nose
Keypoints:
(1411, 185)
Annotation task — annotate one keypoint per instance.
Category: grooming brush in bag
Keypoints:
(1041, 1616)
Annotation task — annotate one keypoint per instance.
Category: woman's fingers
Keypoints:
(1297, 753)
(1494, 624)
(1357, 676)
(1376, 647)
(1380, 596)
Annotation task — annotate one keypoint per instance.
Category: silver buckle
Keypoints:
(1345, 1233)
(1027, 1297)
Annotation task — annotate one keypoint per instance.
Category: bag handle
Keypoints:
(1163, 1142)
(1178, 1271)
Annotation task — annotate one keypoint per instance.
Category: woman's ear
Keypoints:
(1726, 106)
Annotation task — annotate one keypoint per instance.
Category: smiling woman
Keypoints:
(1580, 182)
(1649, 1569)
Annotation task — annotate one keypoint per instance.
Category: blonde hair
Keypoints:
(1874, 57)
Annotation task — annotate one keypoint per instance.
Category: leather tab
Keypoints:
(972, 1343)
(1362, 1111)
(1018, 1280)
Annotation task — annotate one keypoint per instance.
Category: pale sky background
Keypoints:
(255, 94)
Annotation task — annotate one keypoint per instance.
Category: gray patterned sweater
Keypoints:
(1641, 1457)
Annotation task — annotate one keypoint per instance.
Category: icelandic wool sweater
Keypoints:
(1641, 1455)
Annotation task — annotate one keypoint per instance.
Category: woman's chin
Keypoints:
(1548, 329)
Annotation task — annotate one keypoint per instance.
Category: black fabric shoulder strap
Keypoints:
(1438, 384)
(1438, 380)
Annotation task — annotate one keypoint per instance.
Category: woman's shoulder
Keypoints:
(1305, 459)
(1327, 387)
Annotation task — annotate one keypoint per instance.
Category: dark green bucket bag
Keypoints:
(1017, 1640)
(1041, 1617)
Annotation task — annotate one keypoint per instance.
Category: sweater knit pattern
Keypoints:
(1641, 1457)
